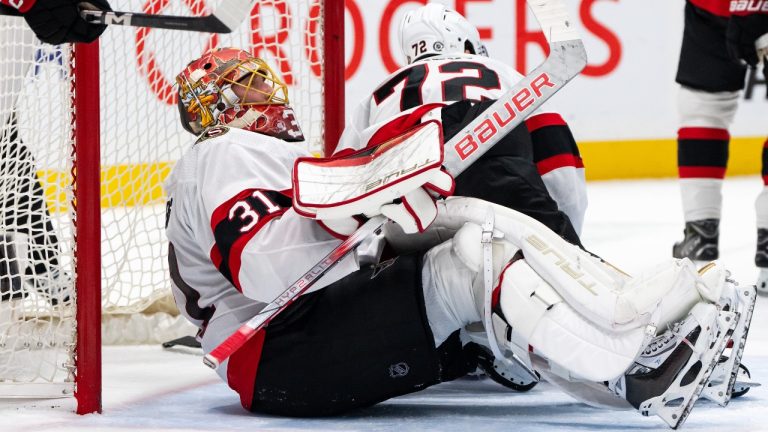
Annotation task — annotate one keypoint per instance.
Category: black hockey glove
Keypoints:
(741, 34)
(59, 21)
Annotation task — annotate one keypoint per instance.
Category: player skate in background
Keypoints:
(29, 244)
(718, 45)
(367, 333)
(448, 65)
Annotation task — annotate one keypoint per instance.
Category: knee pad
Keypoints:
(452, 279)
(468, 246)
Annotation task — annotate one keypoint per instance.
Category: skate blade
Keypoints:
(745, 385)
(722, 391)
(675, 408)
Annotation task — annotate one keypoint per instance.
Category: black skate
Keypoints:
(670, 373)
(507, 373)
(10, 277)
(500, 372)
(761, 261)
(744, 382)
(699, 242)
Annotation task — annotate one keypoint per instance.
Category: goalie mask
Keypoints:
(434, 29)
(229, 86)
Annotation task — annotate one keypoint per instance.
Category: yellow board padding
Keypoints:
(614, 160)
(141, 183)
(121, 185)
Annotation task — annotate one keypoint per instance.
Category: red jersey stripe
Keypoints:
(559, 161)
(542, 120)
(715, 7)
(702, 133)
(711, 172)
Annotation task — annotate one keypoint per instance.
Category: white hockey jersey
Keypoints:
(235, 242)
(439, 79)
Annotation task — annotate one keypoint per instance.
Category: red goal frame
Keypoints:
(87, 189)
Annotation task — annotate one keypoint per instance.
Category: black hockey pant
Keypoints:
(359, 341)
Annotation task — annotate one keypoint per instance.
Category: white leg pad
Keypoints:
(606, 297)
(543, 323)
(667, 292)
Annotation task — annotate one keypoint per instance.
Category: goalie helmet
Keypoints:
(228, 86)
(434, 29)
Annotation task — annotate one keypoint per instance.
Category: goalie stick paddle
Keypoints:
(227, 17)
(566, 59)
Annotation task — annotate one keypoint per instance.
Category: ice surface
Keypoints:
(631, 224)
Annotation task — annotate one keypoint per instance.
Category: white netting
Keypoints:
(141, 137)
(36, 329)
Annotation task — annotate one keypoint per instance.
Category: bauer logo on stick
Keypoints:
(518, 103)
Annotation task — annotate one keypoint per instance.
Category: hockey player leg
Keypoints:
(11, 267)
(25, 212)
(702, 157)
(761, 213)
(656, 373)
(673, 369)
(611, 318)
(359, 341)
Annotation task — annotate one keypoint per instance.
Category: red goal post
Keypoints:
(100, 123)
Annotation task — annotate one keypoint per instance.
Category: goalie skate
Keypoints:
(721, 387)
(744, 382)
(507, 374)
(670, 373)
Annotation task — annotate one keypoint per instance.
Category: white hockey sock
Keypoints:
(702, 198)
(761, 208)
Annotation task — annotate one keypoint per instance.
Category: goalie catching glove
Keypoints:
(399, 178)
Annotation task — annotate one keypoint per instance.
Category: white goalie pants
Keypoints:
(585, 318)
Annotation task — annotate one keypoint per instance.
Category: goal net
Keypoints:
(42, 125)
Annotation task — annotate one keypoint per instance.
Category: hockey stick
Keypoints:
(567, 58)
(227, 17)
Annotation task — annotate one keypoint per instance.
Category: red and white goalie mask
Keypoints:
(229, 86)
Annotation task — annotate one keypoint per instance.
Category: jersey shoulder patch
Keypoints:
(212, 132)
